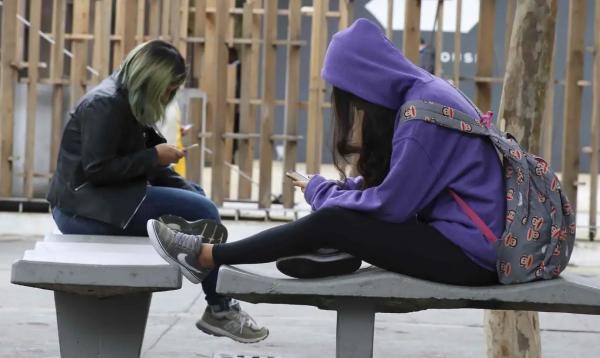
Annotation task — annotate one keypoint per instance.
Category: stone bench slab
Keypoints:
(95, 265)
(385, 291)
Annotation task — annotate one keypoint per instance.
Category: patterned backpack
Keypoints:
(539, 234)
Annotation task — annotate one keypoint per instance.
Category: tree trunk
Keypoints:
(509, 333)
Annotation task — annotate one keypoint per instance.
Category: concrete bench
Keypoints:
(357, 297)
(102, 289)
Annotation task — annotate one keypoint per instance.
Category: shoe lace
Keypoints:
(187, 241)
(246, 320)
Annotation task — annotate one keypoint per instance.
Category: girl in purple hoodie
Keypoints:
(398, 214)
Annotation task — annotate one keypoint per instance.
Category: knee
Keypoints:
(328, 214)
(212, 212)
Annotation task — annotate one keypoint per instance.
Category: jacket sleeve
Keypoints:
(403, 193)
(101, 126)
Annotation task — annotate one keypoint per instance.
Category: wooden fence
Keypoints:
(71, 45)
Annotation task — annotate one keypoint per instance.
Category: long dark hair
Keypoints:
(374, 147)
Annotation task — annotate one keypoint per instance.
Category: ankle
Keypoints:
(205, 259)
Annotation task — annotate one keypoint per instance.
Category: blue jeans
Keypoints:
(159, 201)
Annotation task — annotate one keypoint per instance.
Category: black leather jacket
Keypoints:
(107, 158)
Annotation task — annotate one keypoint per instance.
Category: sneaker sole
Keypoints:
(315, 266)
(218, 332)
(163, 253)
(197, 227)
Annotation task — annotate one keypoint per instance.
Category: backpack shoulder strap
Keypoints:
(445, 116)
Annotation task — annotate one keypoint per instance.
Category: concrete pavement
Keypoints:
(28, 323)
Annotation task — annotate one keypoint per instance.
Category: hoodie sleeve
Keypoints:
(409, 186)
(353, 183)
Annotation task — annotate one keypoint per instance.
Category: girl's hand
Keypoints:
(300, 184)
(168, 154)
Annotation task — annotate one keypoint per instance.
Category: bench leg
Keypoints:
(354, 336)
(112, 327)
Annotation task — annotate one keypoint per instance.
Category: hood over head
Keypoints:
(362, 61)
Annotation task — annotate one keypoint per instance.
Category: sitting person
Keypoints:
(114, 169)
(399, 214)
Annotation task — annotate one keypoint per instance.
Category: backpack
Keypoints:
(539, 234)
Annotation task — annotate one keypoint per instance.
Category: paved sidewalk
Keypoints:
(28, 320)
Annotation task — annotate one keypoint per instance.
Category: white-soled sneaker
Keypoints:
(231, 322)
(181, 249)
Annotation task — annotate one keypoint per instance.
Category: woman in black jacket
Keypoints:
(114, 173)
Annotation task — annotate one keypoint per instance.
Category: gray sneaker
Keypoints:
(231, 322)
(182, 250)
(178, 223)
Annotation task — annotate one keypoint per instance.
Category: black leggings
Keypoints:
(412, 249)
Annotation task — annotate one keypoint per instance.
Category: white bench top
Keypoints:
(386, 291)
(95, 265)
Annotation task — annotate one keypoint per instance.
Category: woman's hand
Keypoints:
(168, 154)
(302, 183)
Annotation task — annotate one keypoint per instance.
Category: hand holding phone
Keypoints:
(295, 176)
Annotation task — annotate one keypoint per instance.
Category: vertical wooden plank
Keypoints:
(439, 38)
(154, 19)
(267, 112)
(125, 29)
(314, 130)
(100, 60)
(292, 98)
(229, 123)
(248, 90)
(166, 20)
(175, 16)
(129, 41)
(485, 53)
(231, 24)
(457, 45)
(572, 108)
(209, 76)
(195, 160)
(141, 20)
(198, 47)
(33, 59)
(390, 20)
(346, 13)
(412, 30)
(219, 99)
(117, 45)
(81, 18)
(8, 78)
(595, 143)
(184, 14)
(20, 33)
(56, 76)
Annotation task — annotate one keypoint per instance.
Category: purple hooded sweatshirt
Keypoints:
(427, 159)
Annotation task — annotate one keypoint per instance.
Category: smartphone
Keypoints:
(294, 175)
(185, 149)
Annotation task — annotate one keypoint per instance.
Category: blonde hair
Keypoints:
(147, 72)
